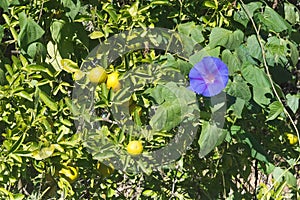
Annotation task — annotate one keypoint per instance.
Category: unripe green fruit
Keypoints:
(97, 75)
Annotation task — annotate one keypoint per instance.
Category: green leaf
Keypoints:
(207, 51)
(231, 60)
(96, 35)
(24, 95)
(276, 108)
(33, 68)
(280, 175)
(273, 21)
(133, 10)
(158, 2)
(69, 65)
(190, 35)
(237, 107)
(293, 102)
(192, 30)
(210, 4)
(294, 53)
(291, 13)
(225, 38)
(244, 55)
(72, 8)
(1, 32)
(210, 137)
(4, 4)
(262, 95)
(6, 192)
(242, 17)
(111, 11)
(276, 51)
(30, 31)
(18, 143)
(254, 48)
(255, 76)
(50, 103)
(56, 30)
(37, 50)
(239, 88)
(178, 64)
(19, 196)
(257, 150)
(73, 108)
(2, 77)
(290, 179)
(174, 103)
(167, 116)
(149, 193)
(43, 153)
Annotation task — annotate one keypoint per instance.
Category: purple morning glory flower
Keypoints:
(208, 77)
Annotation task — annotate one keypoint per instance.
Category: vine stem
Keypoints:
(274, 90)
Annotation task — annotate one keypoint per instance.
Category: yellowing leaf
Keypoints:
(69, 65)
(96, 35)
(43, 153)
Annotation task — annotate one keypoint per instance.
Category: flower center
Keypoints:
(209, 78)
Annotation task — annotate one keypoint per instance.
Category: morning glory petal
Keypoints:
(209, 76)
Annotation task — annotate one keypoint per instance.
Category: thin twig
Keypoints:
(41, 12)
(174, 183)
(256, 175)
(275, 3)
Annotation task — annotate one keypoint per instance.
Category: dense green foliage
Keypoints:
(44, 155)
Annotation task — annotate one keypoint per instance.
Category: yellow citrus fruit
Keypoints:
(70, 173)
(293, 139)
(97, 75)
(78, 75)
(135, 147)
(113, 81)
(104, 170)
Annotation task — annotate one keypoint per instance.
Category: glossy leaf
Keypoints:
(69, 65)
(25, 95)
(48, 101)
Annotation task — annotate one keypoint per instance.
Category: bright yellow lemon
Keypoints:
(113, 81)
(97, 75)
(293, 139)
(135, 147)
